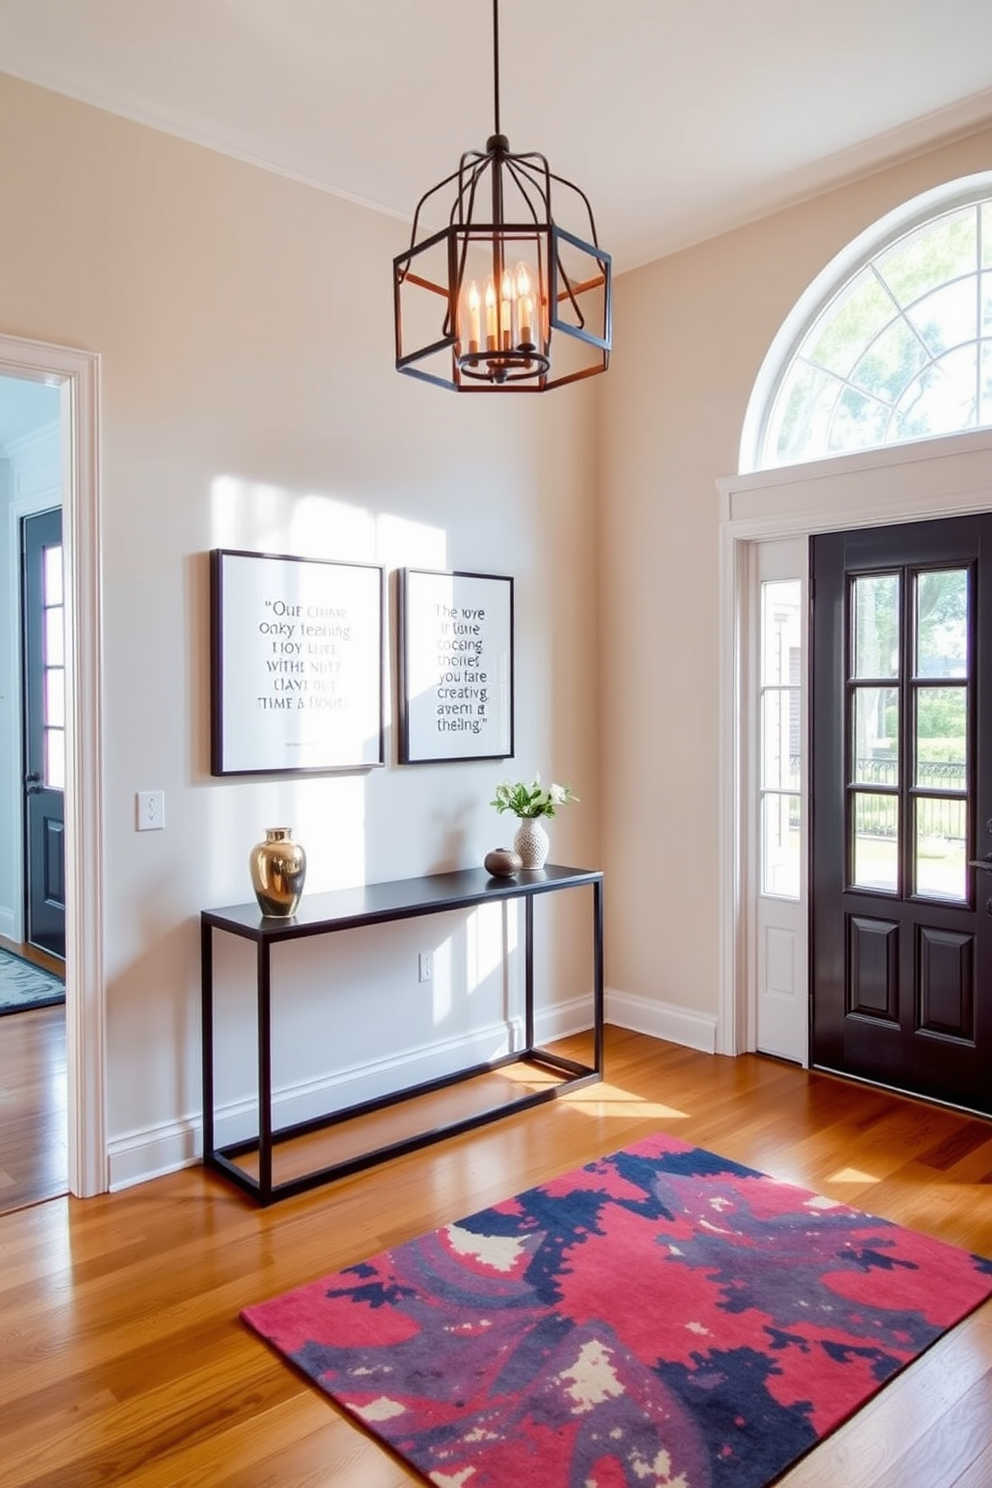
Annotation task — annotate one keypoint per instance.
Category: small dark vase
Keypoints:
(502, 862)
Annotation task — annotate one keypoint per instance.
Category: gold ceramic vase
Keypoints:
(278, 867)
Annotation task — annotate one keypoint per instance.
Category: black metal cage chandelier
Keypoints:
(514, 303)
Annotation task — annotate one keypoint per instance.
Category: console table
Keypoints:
(375, 904)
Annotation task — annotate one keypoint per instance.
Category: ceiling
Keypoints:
(679, 118)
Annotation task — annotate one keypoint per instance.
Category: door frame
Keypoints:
(911, 482)
(77, 374)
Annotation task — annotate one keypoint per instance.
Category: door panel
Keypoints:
(44, 731)
(901, 770)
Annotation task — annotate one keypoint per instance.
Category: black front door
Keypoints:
(901, 812)
(43, 660)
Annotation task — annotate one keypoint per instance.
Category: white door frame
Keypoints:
(903, 483)
(77, 373)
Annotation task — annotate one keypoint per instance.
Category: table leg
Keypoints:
(207, 1035)
(529, 971)
(598, 1000)
(264, 1074)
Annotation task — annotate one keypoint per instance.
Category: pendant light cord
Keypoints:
(496, 65)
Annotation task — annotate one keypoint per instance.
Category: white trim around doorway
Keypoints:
(77, 373)
(904, 483)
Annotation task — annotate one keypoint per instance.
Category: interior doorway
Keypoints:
(33, 1135)
(73, 376)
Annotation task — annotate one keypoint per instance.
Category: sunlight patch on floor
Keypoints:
(611, 1100)
(852, 1175)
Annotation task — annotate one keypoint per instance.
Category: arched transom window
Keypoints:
(892, 343)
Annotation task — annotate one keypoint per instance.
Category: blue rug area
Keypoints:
(24, 985)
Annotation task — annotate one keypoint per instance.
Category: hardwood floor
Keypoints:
(33, 1121)
(123, 1360)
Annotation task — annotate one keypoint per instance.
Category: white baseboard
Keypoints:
(8, 924)
(661, 1020)
(154, 1151)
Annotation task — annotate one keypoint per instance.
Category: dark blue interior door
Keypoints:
(43, 670)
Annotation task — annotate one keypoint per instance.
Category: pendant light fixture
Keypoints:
(503, 299)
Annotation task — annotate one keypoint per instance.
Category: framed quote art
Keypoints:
(455, 666)
(296, 664)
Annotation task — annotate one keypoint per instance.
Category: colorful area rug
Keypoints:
(662, 1318)
(24, 985)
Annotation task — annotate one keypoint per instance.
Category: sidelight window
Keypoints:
(781, 744)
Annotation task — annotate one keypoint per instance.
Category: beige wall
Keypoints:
(249, 400)
(691, 332)
(244, 325)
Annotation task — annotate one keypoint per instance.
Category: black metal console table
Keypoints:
(373, 904)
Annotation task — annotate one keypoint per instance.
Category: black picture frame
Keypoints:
(296, 664)
(455, 666)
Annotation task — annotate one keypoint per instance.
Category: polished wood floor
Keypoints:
(33, 1121)
(33, 1132)
(122, 1360)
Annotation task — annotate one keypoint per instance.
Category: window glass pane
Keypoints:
(875, 602)
(52, 579)
(942, 737)
(781, 632)
(857, 315)
(947, 316)
(941, 249)
(986, 408)
(940, 866)
(55, 696)
(859, 422)
(780, 739)
(780, 846)
(942, 623)
(941, 400)
(802, 413)
(55, 758)
(876, 842)
(987, 235)
(891, 362)
(875, 716)
(54, 644)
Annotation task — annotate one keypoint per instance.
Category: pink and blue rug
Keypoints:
(662, 1316)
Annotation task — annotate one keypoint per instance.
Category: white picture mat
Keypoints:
(300, 653)
(458, 666)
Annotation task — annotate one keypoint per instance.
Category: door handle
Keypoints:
(985, 864)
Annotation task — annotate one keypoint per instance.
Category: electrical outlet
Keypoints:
(149, 811)
(425, 966)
